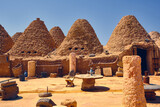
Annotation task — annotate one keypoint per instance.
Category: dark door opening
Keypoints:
(143, 54)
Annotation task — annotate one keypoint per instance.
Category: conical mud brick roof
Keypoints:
(16, 36)
(80, 39)
(35, 41)
(156, 37)
(6, 42)
(57, 35)
(128, 31)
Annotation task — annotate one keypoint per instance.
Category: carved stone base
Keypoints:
(88, 84)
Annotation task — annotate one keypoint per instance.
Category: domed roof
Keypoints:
(128, 31)
(34, 41)
(6, 42)
(57, 35)
(80, 39)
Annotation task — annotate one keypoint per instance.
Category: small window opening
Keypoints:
(70, 48)
(35, 52)
(76, 48)
(22, 52)
(82, 48)
(29, 52)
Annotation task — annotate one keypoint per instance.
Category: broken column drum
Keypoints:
(133, 90)
(9, 90)
(31, 68)
(88, 81)
(72, 62)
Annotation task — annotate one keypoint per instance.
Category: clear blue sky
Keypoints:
(103, 15)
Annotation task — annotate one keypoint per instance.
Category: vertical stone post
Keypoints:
(72, 62)
(133, 90)
(31, 68)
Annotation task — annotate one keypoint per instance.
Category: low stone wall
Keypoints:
(50, 66)
(47, 68)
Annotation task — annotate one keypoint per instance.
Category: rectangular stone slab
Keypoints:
(98, 71)
(107, 71)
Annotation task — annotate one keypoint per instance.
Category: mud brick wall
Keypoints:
(83, 65)
(4, 66)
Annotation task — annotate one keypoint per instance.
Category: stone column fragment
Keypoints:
(133, 90)
(72, 62)
(31, 68)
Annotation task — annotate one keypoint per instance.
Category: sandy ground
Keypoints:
(107, 93)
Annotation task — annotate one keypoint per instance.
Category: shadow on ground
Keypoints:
(18, 98)
(157, 100)
(99, 89)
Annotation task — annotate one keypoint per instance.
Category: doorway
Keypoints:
(143, 54)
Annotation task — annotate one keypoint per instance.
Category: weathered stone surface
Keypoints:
(57, 35)
(9, 90)
(107, 71)
(45, 102)
(16, 36)
(119, 74)
(133, 90)
(34, 41)
(31, 68)
(72, 62)
(6, 41)
(53, 75)
(98, 71)
(81, 39)
(92, 55)
(69, 103)
(4, 66)
(17, 70)
(88, 81)
(46, 94)
(88, 84)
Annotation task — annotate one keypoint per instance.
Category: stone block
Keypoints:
(9, 90)
(31, 68)
(119, 74)
(107, 71)
(53, 75)
(69, 103)
(45, 102)
(17, 70)
(133, 90)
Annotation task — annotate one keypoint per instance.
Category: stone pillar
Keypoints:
(9, 90)
(72, 62)
(88, 84)
(133, 90)
(31, 68)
